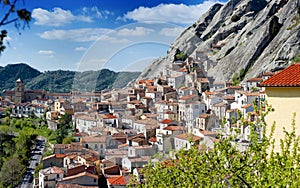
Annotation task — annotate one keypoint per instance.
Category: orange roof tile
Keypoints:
(186, 97)
(254, 80)
(289, 77)
(119, 180)
(122, 145)
(60, 155)
(208, 93)
(186, 136)
(166, 121)
(204, 115)
(205, 132)
(80, 175)
(175, 128)
(153, 139)
(247, 106)
(268, 73)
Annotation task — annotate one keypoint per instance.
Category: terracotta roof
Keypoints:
(107, 116)
(93, 139)
(76, 170)
(206, 133)
(122, 145)
(221, 104)
(268, 73)
(175, 128)
(186, 97)
(60, 156)
(208, 93)
(62, 185)
(289, 77)
(254, 80)
(252, 94)
(81, 175)
(228, 97)
(234, 87)
(80, 134)
(204, 115)
(247, 106)
(119, 180)
(144, 159)
(186, 136)
(166, 121)
(52, 170)
(153, 139)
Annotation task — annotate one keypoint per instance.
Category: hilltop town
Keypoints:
(116, 132)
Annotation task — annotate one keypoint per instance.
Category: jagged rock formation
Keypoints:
(244, 36)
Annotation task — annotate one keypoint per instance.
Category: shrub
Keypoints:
(235, 18)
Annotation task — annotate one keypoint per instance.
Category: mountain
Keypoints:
(61, 80)
(10, 73)
(246, 37)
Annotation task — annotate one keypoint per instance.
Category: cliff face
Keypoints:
(244, 36)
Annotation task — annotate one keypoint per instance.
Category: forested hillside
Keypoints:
(61, 80)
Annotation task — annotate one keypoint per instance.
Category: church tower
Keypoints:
(19, 91)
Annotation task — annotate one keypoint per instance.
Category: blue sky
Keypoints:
(122, 35)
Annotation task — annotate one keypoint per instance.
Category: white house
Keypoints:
(83, 122)
(48, 177)
(129, 163)
(185, 141)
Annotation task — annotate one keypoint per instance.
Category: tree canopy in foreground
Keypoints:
(226, 166)
(11, 13)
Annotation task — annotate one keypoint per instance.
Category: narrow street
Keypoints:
(36, 157)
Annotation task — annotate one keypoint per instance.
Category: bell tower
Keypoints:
(19, 91)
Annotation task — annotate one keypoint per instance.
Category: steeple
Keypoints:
(19, 91)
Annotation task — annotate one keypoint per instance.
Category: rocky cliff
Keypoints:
(244, 36)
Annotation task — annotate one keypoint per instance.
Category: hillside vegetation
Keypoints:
(62, 80)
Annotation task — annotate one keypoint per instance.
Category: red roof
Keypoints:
(119, 180)
(254, 80)
(289, 77)
(175, 128)
(166, 121)
(153, 139)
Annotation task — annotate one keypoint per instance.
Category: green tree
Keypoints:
(24, 142)
(11, 172)
(227, 166)
(179, 55)
(10, 14)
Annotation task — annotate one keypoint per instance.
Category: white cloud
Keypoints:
(46, 52)
(94, 12)
(174, 13)
(77, 35)
(57, 17)
(80, 49)
(138, 31)
(171, 32)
